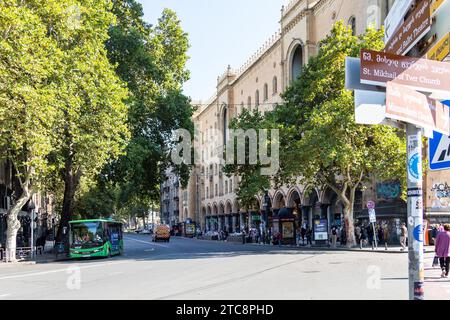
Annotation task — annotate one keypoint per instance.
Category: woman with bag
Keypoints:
(443, 250)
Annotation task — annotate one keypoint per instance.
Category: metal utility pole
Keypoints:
(415, 213)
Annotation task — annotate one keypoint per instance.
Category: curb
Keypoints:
(23, 263)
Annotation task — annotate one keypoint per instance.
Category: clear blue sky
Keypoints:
(221, 32)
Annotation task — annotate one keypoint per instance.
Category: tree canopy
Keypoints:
(320, 143)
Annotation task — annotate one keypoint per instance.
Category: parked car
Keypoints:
(143, 231)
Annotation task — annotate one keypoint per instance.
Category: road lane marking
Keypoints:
(147, 242)
(29, 274)
(235, 279)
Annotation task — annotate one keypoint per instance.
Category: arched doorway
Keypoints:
(294, 203)
(278, 202)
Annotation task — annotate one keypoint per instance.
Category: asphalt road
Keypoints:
(204, 270)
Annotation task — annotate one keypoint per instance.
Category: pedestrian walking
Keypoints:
(442, 250)
(385, 236)
(403, 236)
(363, 241)
(371, 236)
(343, 236)
(380, 234)
(333, 236)
(434, 233)
(358, 235)
(298, 236)
(303, 234)
(309, 237)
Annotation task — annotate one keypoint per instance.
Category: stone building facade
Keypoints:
(211, 196)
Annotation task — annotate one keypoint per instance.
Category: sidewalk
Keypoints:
(381, 249)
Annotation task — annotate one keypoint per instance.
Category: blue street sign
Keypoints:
(439, 150)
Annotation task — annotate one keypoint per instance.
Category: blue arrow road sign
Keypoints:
(439, 149)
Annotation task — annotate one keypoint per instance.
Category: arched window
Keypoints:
(225, 126)
(207, 193)
(249, 102)
(297, 62)
(352, 24)
(226, 187)
(257, 98)
(274, 85)
(242, 107)
(266, 92)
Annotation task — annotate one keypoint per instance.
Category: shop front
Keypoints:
(389, 216)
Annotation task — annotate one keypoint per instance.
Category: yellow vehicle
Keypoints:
(161, 232)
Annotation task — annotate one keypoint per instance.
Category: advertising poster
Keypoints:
(288, 230)
(321, 229)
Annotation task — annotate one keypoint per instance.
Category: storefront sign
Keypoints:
(440, 50)
(411, 31)
(395, 17)
(407, 105)
(378, 68)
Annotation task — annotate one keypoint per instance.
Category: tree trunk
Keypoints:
(349, 226)
(14, 224)
(71, 182)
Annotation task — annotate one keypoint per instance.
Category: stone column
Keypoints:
(233, 223)
(241, 221)
(219, 222)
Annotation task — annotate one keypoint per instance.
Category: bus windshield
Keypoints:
(87, 234)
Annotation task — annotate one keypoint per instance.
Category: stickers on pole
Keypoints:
(414, 160)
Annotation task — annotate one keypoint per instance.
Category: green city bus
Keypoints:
(95, 238)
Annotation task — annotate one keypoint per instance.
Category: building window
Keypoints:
(257, 98)
(215, 190)
(207, 192)
(249, 102)
(297, 63)
(352, 24)
(226, 187)
(274, 85)
(266, 92)
(242, 108)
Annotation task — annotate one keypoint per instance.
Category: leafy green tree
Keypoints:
(30, 63)
(320, 141)
(334, 151)
(151, 60)
(91, 124)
